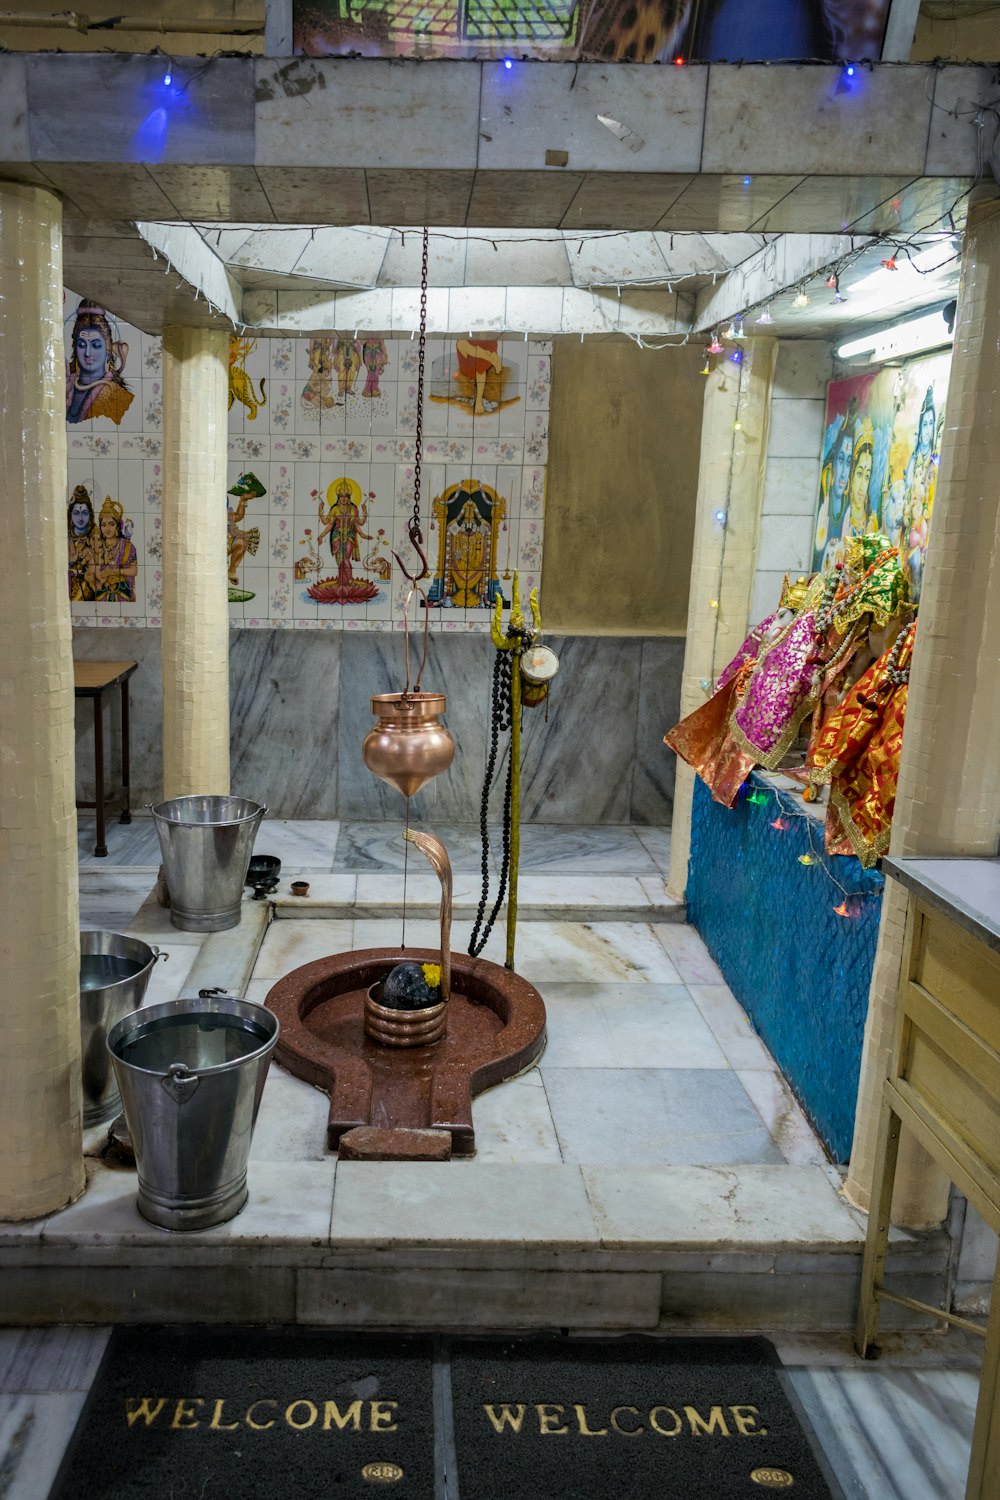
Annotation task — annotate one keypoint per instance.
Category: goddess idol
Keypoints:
(780, 673)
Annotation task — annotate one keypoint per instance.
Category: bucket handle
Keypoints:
(179, 1083)
(160, 953)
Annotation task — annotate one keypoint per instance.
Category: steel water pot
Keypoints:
(191, 1075)
(114, 973)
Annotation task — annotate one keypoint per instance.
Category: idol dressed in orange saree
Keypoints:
(757, 711)
(858, 754)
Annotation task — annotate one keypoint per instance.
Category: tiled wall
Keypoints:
(297, 442)
(791, 483)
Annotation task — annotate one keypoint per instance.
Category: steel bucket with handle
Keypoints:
(191, 1075)
(206, 844)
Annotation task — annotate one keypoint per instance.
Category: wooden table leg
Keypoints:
(876, 1244)
(101, 848)
(126, 816)
(984, 1464)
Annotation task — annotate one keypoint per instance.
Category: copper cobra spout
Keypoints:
(438, 856)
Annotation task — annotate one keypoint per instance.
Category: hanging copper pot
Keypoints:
(409, 745)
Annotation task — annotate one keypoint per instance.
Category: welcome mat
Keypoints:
(267, 1414)
(636, 1419)
(254, 1414)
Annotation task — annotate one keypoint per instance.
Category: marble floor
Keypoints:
(650, 1061)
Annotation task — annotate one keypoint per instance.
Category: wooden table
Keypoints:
(944, 1086)
(92, 679)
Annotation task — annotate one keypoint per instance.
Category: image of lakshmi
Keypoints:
(94, 383)
(342, 523)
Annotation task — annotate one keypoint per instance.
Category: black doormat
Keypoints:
(636, 1419)
(254, 1414)
(192, 1413)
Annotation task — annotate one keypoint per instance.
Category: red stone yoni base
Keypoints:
(496, 1028)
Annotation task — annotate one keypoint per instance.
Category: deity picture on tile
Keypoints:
(474, 376)
(318, 393)
(880, 460)
(342, 521)
(468, 517)
(347, 362)
(115, 561)
(103, 563)
(312, 416)
(81, 527)
(95, 386)
(241, 386)
(239, 542)
(374, 359)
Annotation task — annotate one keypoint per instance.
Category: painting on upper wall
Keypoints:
(103, 563)
(95, 365)
(880, 460)
(652, 31)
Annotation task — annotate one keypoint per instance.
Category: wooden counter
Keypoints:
(943, 1084)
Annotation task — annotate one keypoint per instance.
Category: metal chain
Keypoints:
(413, 530)
(418, 444)
(500, 720)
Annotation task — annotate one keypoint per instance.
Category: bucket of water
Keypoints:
(191, 1075)
(206, 844)
(114, 973)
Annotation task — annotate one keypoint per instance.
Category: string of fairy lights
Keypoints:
(851, 904)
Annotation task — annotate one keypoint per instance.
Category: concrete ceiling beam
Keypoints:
(538, 133)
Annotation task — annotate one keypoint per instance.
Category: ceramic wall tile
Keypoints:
(303, 413)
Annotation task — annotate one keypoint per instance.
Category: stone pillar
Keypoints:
(730, 482)
(948, 799)
(41, 1164)
(195, 589)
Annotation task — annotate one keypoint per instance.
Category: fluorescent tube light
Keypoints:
(927, 332)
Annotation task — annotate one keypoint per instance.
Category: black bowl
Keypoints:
(263, 869)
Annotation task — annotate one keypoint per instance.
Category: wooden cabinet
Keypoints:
(944, 1085)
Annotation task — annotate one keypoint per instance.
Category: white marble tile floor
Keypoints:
(655, 1128)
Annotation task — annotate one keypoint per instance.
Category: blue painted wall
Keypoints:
(800, 970)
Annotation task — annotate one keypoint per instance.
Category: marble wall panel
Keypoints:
(458, 665)
(659, 708)
(300, 711)
(284, 700)
(577, 764)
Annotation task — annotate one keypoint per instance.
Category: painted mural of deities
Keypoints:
(95, 385)
(342, 524)
(103, 564)
(880, 461)
(241, 386)
(467, 518)
(240, 542)
(474, 377)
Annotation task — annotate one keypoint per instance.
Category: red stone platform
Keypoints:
(496, 1028)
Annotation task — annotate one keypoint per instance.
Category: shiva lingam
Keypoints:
(408, 1073)
(399, 1026)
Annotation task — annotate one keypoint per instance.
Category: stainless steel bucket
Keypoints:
(114, 973)
(191, 1074)
(206, 843)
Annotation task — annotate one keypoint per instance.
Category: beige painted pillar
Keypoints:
(41, 1164)
(195, 588)
(948, 800)
(731, 481)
